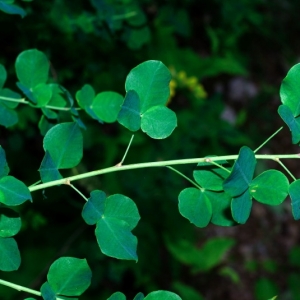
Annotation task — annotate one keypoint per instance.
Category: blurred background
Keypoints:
(227, 59)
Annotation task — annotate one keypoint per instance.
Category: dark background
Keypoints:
(227, 59)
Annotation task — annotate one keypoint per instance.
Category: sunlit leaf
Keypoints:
(194, 205)
(151, 81)
(10, 258)
(117, 296)
(107, 106)
(270, 187)
(162, 295)
(158, 122)
(290, 90)
(13, 191)
(65, 145)
(10, 222)
(32, 68)
(69, 276)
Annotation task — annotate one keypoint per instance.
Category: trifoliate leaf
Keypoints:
(151, 81)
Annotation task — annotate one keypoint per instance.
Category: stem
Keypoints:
(74, 188)
(23, 101)
(23, 289)
(153, 164)
(268, 139)
(185, 177)
(286, 169)
(218, 165)
(120, 164)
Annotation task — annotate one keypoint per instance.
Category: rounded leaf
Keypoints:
(69, 276)
(85, 96)
(270, 187)
(8, 117)
(13, 191)
(117, 296)
(10, 258)
(123, 208)
(10, 222)
(151, 81)
(162, 295)
(159, 122)
(115, 238)
(65, 145)
(107, 106)
(32, 67)
(290, 90)
(42, 93)
(47, 292)
(194, 205)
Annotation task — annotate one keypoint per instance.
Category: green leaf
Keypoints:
(211, 177)
(139, 296)
(194, 205)
(57, 98)
(221, 209)
(265, 289)
(290, 90)
(241, 207)
(85, 96)
(8, 117)
(48, 169)
(94, 209)
(162, 295)
(69, 276)
(129, 115)
(64, 144)
(107, 106)
(4, 169)
(32, 67)
(270, 187)
(10, 258)
(13, 191)
(117, 296)
(292, 122)
(187, 292)
(159, 122)
(9, 94)
(10, 222)
(50, 114)
(294, 191)
(151, 81)
(115, 239)
(42, 93)
(3, 76)
(242, 173)
(27, 92)
(47, 292)
(12, 9)
(123, 208)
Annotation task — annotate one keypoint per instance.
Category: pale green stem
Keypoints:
(286, 169)
(74, 188)
(23, 101)
(150, 165)
(185, 177)
(120, 164)
(36, 183)
(218, 165)
(23, 289)
(268, 139)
